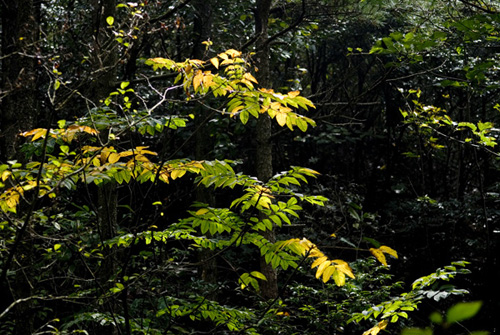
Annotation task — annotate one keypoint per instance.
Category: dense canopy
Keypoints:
(249, 167)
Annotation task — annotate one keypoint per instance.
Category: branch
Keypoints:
(170, 12)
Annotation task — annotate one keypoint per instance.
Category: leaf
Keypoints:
(244, 116)
(110, 20)
(339, 278)
(463, 311)
(322, 268)
(113, 157)
(281, 118)
(416, 331)
(343, 267)
(327, 274)
(177, 173)
(319, 261)
(215, 62)
(197, 80)
(258, 275)
(389, 251)
(57, 84)
(376, 329)
(202, 211)
(436, 318)
(379, 255)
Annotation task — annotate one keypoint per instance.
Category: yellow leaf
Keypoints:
(227, 61)
(339, 278)
(249, 77)
(113, 157)
(197, 80)
(207, 79)
(233, 53)
(379, 255)
(319, 261)
(375, 330)
(293, 94)
(344, 267)
(265, 202)
(322, 268)
(215, 62)
(196, 62)
(389, 251)
(236, 109)
(333, 235)
(6, 174)
(177, 174)
(142, 150)
(281, 118)
(222, 55)
(327, 274)
(202, 211)
(315, 253)
(164, 176)
(275, 105)
(40, 132)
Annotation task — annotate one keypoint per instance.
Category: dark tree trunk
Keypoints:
(18, 79)
(202, 32)
(264, 155)
(18, 110)
(104, 60)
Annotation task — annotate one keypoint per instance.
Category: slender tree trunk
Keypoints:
(264, 155)
(104, 59)
(202, 32)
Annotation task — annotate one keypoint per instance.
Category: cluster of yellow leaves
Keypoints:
(9, 199)
(239, 84)
(376, 329)
(137, 165)
(66, 134)
(379, 253)
(262, 196)
(99, 156)
(327, 269)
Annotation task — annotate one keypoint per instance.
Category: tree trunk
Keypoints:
(202, 32)
(18, 84)
(104, 59)
(18, 110)
(264, 156)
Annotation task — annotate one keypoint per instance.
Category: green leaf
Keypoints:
(416, 331)
(244, 116)
(436, 318)
(257, 274)
(110, 20)
(463, 311)
(57, 83)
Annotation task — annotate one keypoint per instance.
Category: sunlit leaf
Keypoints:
(463, 311)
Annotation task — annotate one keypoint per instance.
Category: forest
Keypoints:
(249, 167)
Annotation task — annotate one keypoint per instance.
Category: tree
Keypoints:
(149, 158)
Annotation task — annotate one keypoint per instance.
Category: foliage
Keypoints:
(454, 315)
(425, 287)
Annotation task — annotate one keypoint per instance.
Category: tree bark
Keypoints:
(18, 110)
(202, 32)
(104, 59)
(18, 85)
(264, 155)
